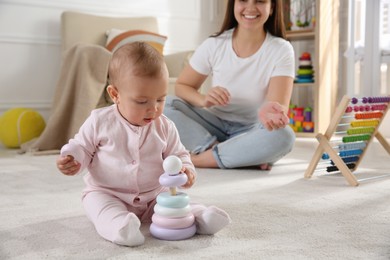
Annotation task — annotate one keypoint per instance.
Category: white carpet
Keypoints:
(276, 215)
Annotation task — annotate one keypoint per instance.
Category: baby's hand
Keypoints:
(273, 116)
(190, 176)
(68, 165)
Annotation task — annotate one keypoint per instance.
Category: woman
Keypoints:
(241, 121)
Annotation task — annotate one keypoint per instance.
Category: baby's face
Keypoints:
(142, 100)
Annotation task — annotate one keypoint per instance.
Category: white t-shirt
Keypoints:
(246, 79)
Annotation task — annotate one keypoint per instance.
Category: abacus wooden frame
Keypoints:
(324, 145)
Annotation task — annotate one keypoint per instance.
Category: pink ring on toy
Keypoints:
(173, 180)
(175, 223)
(172, 234)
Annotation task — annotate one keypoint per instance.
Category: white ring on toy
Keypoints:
(172, 234)
(175, 223)
(177, 180)
(172, 212)
(180, 200)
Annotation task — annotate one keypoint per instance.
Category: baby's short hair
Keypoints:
(138, 59)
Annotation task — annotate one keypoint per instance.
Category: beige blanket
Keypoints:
(79, 90)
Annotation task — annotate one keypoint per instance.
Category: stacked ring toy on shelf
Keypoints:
(305, 73)
(172, 218)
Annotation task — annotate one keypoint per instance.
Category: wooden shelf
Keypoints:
(324, 37)
(305, 134)
(310, 85)
(300, 35)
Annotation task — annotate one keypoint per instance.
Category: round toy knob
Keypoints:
(172, 165)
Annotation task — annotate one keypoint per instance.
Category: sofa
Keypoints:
(78, 27)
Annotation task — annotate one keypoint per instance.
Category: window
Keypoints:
(368, 53)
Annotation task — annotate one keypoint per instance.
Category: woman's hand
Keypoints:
(68, 165)
(217, 96)
(190, 176)
(273, 116)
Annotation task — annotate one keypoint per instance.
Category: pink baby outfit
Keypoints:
(125, 160)
(124, 164)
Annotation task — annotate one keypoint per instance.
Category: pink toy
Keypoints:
(172, 218)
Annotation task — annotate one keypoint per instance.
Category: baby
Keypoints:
(123, 146)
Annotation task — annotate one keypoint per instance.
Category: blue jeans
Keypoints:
(239, 145)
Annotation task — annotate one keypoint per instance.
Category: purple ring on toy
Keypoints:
(178, 180)
(172, 234)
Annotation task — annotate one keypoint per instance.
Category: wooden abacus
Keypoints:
(364, 121)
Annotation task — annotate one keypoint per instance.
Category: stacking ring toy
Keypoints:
(172, 218)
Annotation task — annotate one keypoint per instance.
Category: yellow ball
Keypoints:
(20, 125)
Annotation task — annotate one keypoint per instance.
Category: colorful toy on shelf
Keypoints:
(357, 122)
(305, 73)
(172, 218)
(301, 119)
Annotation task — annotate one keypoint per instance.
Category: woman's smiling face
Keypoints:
(252, 14)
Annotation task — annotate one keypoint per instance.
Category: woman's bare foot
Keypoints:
(265, 167)
(204, 160)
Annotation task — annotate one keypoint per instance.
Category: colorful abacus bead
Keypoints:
(366, 100)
